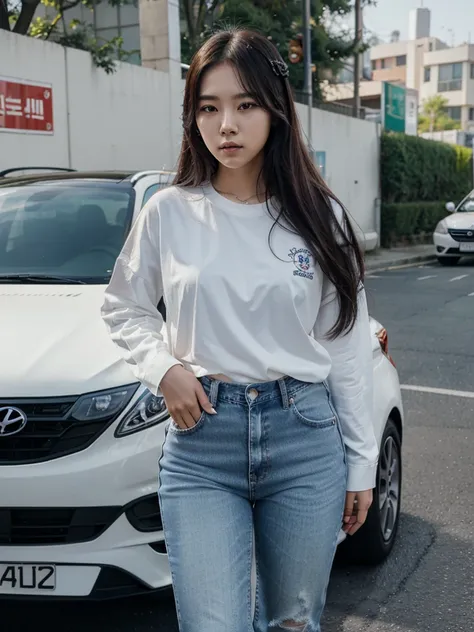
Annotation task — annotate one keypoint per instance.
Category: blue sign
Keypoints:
(320, 159)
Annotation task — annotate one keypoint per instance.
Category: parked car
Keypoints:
(80, 439)
(454, 235)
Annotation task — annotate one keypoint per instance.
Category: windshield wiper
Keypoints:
(39, 278)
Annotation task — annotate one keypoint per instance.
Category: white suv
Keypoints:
(80, 440)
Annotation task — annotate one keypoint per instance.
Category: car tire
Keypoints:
(448, 261)
(373, 542)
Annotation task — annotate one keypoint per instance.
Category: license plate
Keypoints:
(24, 578)
(467, 247)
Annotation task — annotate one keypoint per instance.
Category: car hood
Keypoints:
(53, 342)
(460, 220)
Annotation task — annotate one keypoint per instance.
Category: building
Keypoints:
(396, 62)
(450, 72)
(422, 63)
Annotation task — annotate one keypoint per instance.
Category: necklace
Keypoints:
(242, 201)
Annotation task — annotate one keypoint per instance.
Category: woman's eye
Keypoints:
(248, 106)
(208, 108)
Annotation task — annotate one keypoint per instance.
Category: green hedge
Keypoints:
(410, 222)
(416, 169)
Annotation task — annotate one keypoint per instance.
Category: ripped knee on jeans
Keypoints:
(294, 626)
(299, 620)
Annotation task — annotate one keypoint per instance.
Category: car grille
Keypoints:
(462, 234)
(39, 526)
(48, 433)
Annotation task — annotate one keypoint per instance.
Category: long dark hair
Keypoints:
(288, 173)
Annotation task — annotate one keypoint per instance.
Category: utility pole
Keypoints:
(357, 42)
(308, 79)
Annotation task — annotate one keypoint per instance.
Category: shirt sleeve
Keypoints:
(130, 309)
(350, 383)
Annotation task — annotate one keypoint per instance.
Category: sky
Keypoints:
(451, 20)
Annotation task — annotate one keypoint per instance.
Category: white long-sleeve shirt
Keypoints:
(240, 304)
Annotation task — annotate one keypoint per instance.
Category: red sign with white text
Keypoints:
(26, 106)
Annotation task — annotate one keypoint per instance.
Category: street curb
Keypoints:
(378, 266)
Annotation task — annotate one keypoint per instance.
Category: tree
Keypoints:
(280, 20)
(19, 16)
(434, 117)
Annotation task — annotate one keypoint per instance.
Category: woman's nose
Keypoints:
(228, 124)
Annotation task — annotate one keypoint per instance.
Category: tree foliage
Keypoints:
(418, 177)
(54, 25)
(434, 117)
(280, 20)
(417, 170)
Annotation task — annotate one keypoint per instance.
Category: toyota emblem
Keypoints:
(12, 420)
(470, 233)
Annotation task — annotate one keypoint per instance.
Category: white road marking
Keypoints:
(372, 276)
(471, 294)
(429, 276)
(437, 391)
(458, 278)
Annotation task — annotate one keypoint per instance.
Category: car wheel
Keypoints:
(448, 261)
(374, 540)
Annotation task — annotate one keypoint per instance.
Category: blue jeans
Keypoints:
(270, 465)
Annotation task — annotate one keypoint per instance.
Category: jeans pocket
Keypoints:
(175, 429)
(310, 406)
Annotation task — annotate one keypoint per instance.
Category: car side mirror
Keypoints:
(450, 207)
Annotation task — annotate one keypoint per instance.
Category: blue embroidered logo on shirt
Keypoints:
(303, 260)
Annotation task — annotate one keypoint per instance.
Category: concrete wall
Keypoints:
(388, 50)
(117, 121)
(28, 59)
(393, 74)
(352, 164)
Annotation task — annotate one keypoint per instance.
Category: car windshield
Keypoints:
(63, 232)
(468, 204)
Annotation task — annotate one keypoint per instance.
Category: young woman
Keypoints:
(264, 361)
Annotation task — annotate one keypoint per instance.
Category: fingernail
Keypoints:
(213, 411)
(346, 518)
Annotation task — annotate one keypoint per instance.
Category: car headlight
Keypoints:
(149, 410)
(102, 404)
(442, 227)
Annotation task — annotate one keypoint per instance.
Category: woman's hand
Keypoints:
(355, 510)
(184, 396)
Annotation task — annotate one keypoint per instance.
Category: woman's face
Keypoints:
(232, 125)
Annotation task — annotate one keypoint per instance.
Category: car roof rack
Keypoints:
(6, 172)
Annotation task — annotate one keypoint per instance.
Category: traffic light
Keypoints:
(295, 49)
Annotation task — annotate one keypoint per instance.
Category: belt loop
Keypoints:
(284, 393)
(214, 391)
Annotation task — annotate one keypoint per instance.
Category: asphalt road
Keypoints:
(427, 584)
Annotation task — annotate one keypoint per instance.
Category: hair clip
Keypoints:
(279, 68)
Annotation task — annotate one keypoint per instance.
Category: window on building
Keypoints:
(374, 64)
(430, 46)
(454, 112)
(472, 71)
(401, 60)
(450, 77)
(111, 21)
(427, 74)
(471, 114)
(382, 63)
